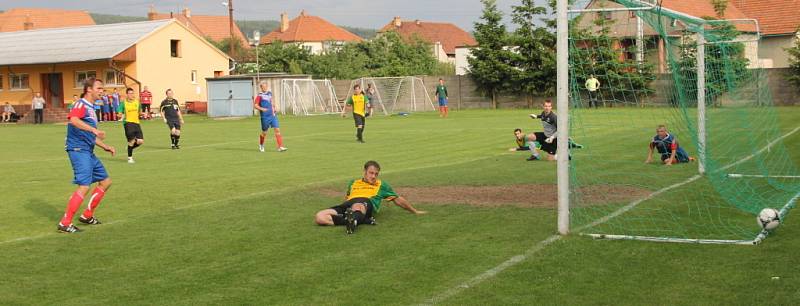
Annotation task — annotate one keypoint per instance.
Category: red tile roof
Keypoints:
(704, 8)
(214, 27)
(306, 28)
(15, 19)
(448, 34)
(774, 16)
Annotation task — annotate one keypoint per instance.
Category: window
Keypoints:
(114, 78)
(19, 81)
(194, 77)
(175, 48)
(307, 48)
(81, 76)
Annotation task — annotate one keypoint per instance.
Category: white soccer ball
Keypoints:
(769, 218)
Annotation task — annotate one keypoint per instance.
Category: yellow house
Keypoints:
(158, 54)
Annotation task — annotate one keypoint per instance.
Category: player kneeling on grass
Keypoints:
(667, 145)
(547, 139)
(363, 201)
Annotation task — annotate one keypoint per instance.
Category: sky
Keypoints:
(357, 13)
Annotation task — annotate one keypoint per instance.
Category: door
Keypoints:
(53, 89)
(230, 98)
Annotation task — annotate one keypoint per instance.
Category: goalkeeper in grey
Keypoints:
(548, 137)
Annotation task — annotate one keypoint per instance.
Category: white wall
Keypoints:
(462, 65)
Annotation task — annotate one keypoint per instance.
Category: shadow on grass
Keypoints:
(49, 211)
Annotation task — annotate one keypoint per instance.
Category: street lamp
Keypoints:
(229, 4)
(257, 39)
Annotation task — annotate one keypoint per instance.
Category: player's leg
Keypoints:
(100, 176)
(329, 217)
(82, 169)
(359, 120)
(263, 135)
(278, 137)
(177, 132)
(532, 142)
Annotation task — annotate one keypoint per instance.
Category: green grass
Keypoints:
(217, 222)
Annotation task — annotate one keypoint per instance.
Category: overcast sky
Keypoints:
(357, 13)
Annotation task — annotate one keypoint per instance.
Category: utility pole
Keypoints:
(230, 16)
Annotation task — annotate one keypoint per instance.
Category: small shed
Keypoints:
(232, 96)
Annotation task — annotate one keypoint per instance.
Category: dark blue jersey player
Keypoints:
(667, 145)
(264, 103)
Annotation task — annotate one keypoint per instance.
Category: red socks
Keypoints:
(279, 139)
(261, 140)
(74, 203)
(97, 196)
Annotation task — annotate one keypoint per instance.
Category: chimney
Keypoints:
(397, 22)
(28, 25)
(187, 12)
(303, 13)
(284, 22)
(151, 13)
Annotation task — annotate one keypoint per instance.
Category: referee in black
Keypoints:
(171, 112)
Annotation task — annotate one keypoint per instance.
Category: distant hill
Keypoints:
(247, 26)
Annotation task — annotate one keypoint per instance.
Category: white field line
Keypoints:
(544, 243)
(261, 193)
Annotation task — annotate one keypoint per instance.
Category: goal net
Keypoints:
(645, 59)
(309, 97)
(391, 95)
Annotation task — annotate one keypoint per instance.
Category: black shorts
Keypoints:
(550, 148)
(145, 108)
(360, 120)
(133, 131)
(176, 124)
(341, 208)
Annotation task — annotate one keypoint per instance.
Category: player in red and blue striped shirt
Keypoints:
(264, 103)
(82, 136)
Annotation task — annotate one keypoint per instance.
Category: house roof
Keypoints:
(448, 34)
(306, 28)
(774, 16)
(15, 19)
(706, 9)
(214, 27)
(75, 44)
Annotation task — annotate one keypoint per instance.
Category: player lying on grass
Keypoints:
(363, 201)
(667, 145)
(548, 138)
(522, 142)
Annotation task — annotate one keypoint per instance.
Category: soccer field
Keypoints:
(218, 223)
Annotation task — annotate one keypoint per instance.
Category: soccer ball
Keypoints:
(769, 218)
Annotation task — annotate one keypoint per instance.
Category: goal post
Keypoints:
(390, 95)
(304, 97)
(697, 80)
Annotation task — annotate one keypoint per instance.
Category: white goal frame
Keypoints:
(390, 96)
(308, 97)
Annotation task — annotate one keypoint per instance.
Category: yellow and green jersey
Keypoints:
(129, 110)
(374, 192)
(359, 103)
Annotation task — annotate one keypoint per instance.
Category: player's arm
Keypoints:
(105, 147)
(446, 94)
(347, 105)
(257, 104)
(180, 114)
(161, 110)
(402, 202)
(674, 148)
(650, 153)
(75, 119)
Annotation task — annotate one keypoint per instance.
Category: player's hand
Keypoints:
(111, 150)
(668, 162)
(182, 121)
(420, 212)
(550, 139)
(534, 116)
(165, 119)
(512, 149)
(100, 134)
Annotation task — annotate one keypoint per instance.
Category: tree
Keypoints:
(719, 7)
(242, 54)
(794, 61)
(597, 53)
(491, 63)
(281, 57)
(535, 46)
